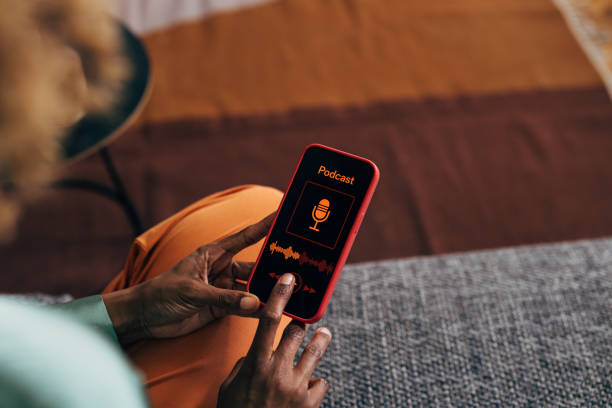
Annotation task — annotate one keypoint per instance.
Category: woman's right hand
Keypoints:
(267, 377)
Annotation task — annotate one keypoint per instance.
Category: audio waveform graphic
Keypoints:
(302, 258)
(288, 252)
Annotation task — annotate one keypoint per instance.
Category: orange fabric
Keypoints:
(301, 54)
(187, 371)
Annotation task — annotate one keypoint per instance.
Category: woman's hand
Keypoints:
(267, 377)
(191, 294)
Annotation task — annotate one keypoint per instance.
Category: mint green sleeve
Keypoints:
(90, 311)
(51, 359)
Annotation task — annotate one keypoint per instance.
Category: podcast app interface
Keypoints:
(312, 227)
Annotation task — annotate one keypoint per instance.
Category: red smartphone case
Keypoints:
(349, 242)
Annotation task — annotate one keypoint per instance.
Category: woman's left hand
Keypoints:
(196, 291)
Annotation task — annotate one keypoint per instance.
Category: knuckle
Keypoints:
(266, 379)
(283, 289)
(281, 384)
(294, 332)
(301, 395)
(285, 388)
(227, 299)
(314, 349)
(301, 398)
(271, 316)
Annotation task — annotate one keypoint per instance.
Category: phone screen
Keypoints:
(312, 227)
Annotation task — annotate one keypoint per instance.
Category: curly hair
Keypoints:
(58, 60)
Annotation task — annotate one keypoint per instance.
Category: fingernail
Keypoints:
(286, 279)
(249, 302)
(325, 331)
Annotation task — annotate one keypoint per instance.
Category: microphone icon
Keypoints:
(320, 213)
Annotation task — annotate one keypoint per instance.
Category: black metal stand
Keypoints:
(115, 192)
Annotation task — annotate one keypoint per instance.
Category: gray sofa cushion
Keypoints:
(529, 326)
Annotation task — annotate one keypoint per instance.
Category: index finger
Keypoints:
(248, 236)
(263, 342)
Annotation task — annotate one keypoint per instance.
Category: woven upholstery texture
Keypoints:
(526, 326)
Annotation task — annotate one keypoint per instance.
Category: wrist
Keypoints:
(124, 307)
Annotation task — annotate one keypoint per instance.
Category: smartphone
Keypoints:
(314, 228)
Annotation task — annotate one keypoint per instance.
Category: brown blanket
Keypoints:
(488, 123)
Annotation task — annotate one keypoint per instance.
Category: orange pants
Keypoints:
(188, 371)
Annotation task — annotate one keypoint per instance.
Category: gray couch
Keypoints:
(528, 326)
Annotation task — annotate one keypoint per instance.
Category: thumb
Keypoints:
(231, 301)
